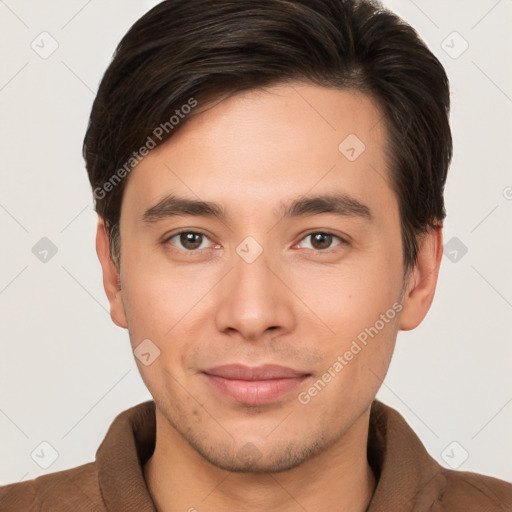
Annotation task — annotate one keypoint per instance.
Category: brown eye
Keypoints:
(321, 241)
(189, 240)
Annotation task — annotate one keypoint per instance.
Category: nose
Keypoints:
(254, 301)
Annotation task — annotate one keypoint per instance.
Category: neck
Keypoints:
(179, 478)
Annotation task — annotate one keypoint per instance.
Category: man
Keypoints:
(269, 182)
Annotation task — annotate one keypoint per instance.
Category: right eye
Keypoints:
(189, 240)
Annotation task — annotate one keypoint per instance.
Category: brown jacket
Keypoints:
(408, 479)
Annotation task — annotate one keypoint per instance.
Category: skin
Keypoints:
(294, 305)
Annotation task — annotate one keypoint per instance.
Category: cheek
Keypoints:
(358, 302)
(169, 306)
(352, 296)
(153, 301)
(156, 310)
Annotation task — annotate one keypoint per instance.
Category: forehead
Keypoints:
(282, 116)
(265, 145)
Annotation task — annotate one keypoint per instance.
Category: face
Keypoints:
(265, 233)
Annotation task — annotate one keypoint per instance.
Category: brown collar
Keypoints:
(404, 471)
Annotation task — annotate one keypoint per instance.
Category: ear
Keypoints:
(421, 281)
(111, 281)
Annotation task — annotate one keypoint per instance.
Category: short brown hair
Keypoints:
(202, 50)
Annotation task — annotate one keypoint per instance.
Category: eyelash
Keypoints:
(342, 241)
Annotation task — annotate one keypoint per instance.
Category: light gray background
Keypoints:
(66, 371)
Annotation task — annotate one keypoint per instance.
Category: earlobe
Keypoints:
(111, 281)
(422, 280)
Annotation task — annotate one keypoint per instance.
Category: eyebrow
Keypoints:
(337, 204)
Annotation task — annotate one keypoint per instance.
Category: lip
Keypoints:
(254, 385)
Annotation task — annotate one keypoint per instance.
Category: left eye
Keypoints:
(321, 241)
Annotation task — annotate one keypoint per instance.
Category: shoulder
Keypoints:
(473, 492)
(411, 479)
(74, 489)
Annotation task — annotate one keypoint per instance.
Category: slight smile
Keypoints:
(256, 385)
